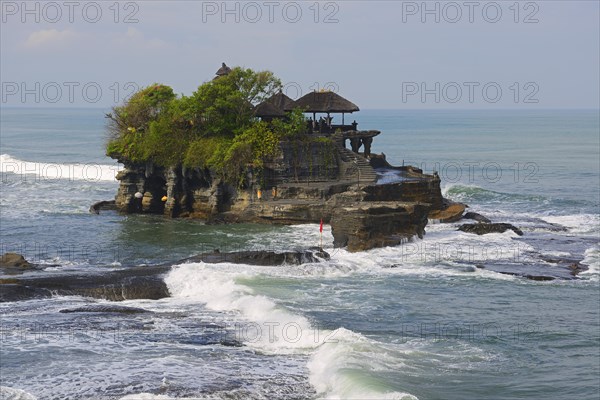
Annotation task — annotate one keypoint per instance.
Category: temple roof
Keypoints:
(324, 102)
(267, 109)
(281, 101)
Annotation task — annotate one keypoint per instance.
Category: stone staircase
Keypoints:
(357, 168)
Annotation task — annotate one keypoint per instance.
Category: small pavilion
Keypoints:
(325, 102)
(273, 107)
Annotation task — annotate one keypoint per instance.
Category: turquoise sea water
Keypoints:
(413, 321)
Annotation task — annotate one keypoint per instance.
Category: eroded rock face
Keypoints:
(307, 183)
(377, 224)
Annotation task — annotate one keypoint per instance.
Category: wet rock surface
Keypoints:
(263, 258)
(477, 217)
(140, 282)
(103, 205)
(296, 187)
(113, 309)
(378, 224)
(482, 229)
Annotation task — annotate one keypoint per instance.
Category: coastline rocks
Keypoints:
(307, 183)
(136, 282)
(103, 205)
(15, 264)
(451, 213)
(482, 229)
(113, 309)
(126, 284)
(262, 258)
(14, 260)
(369, 225)
(477, 217)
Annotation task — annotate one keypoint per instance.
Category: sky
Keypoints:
(378, 54)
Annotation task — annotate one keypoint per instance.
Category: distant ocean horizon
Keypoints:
(418, 320)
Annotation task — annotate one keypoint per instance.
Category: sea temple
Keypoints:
(310, 176)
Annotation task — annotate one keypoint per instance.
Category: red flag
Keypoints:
(321, 227)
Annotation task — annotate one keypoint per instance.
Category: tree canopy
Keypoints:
(213, 128)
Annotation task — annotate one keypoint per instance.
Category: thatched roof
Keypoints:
(324, 102)
(266, 109)
(281, 101)
(274, 106)
(224, 70)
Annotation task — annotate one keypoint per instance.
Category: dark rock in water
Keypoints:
(15, 292)
(106, 309)
(482, 229)
(125, 284)
(135, 282)
(477, 217)
(378, 224)
(103, 205)
(231, 343)
(14, 260)
(540, 277)
(533, 271)
(15, 264)
(261, 257)
(576, 268)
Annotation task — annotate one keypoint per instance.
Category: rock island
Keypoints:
(240, 150)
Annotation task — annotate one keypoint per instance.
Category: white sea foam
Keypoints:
(273, 329)
(592, 260)
(578, 223)
(7, 393)
(90, 172)
(337, 369)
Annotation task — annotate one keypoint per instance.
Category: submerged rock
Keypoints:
(482, 229)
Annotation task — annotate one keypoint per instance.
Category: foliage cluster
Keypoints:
(213, 128)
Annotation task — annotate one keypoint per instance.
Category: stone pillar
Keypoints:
(367, 144)
(355, 144)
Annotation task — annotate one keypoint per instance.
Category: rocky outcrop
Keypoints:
(365, 226)
(14, 260)
(451, 212)
(103, 205)
(136, 282)
(482, 229)
(15, 264)
(307, 183)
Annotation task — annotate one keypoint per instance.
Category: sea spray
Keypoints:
(90, 172)
(272, 329)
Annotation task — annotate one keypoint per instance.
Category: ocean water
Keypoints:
(413, 321)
